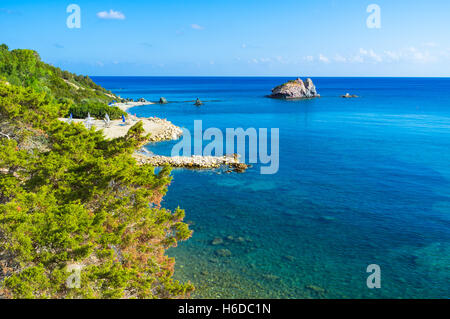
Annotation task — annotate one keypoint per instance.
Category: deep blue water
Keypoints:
(361, 181)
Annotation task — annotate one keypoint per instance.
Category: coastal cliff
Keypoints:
(295, 89)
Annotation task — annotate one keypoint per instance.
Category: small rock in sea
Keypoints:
(223, 253)
(162, 100)
(240, 167)
(327, 218)
(288, 257)
(348, 95)
(217, 241)
(316, 289)
(231, 238)
(295, 89)
(270, 277)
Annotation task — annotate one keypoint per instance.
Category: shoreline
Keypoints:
(127, 105)
(162, 130)
(159, 129)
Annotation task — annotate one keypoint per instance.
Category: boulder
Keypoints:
(348, 96)
(163, 100)
(217, 241)
(295, 89)
(223, 253)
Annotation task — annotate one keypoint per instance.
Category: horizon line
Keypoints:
(274, 76)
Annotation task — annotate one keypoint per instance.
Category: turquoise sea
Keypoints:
(361, 181)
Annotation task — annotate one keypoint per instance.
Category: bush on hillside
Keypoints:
(97, 110)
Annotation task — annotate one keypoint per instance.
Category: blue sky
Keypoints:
(235, 37)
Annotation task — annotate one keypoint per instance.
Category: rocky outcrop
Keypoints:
(194, 162)
(349, 96)
(295, 89)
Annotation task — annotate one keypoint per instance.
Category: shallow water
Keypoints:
(361, 181)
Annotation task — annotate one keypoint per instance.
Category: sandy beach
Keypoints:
(127, 105)
(159, 129)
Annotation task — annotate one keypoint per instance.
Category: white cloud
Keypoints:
(430, 44)
(113, 15)
(357, 59)
(340, 58)
(423, 57)
(423, 53)
(323, 59)
(392, 55)
(260, 60)
(370, 54)
(281, 60)
(196, 27)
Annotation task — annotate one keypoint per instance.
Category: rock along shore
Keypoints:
(194, 162)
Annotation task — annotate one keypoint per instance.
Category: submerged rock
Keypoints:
(295, 89)
(316, 289)
(271, 277)
(288, 258)
(217, 241)
(223, 253)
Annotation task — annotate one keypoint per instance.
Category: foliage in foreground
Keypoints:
(97, 110)
(82, 202)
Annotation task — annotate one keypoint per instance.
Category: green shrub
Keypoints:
(25, 68)
(81, 200)
(97, 110)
